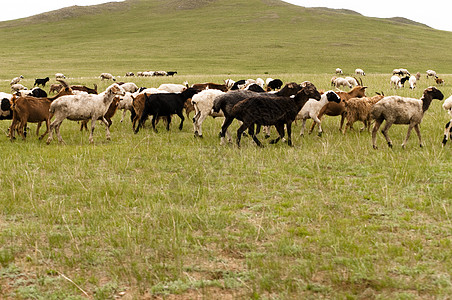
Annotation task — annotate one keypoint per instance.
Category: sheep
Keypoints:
(275, 84)
(85, 89)
(82, 107)
(41, 81)
(360, 72)
(312, 108)
(341, 82)
(352, 81)
(395, 81)
(203, 104)
(35, 110)
(339, 71)
(165, 105)
(431, 73)
(338, 109)
(439, 81)
(5, 106)
(17, 87)
(358, 109)
(226, 102)
(129, 87)
(418, 76)
(447, 106)
(403, 80)
(60, 76)
(107, 76)
(108, 115)
(55, 88)
(277, 111)
(172, 88)
(16, 80)
(402, 110)
(413, 81)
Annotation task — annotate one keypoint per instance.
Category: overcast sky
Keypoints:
(435, 14)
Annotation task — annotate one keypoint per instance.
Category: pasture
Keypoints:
(166, 215)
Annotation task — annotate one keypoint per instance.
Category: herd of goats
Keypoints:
(256, 104)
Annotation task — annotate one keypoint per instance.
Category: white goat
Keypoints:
(203, 104)
(339, 71)
(172, 88)
(17, 87)
(402, 110)
(352, 81)
(341, 82)
(16, 80)
(125, 104)
(83, 107)
(312, 108)
(60, 76)
(395, 81)
(447, 105)
(107, 76)
(360, 72)
(129, 87)
(412, 81)
(431, 73)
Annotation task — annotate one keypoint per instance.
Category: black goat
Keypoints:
(40, 81)
(165, 105)
(236, 84)
(403, 80)
(277, 111)
(38, 93)
(227, 101)
(171, 73)
(274, 84)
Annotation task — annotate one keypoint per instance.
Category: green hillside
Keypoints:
(215, 37)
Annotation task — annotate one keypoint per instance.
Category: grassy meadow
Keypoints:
(169, 216)
(166, 215)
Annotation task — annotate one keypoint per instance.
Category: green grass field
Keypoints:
(169, 216)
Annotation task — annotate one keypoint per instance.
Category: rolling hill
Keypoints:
(216, 37)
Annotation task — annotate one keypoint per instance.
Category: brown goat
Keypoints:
(108, 115)
(210, 85)
(358, 109)
(34, 110)
(138, 107)
(55, 88)
(338, 109)
(439, 81)
(85, 89)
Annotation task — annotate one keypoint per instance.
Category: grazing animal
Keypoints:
(60, 76)
(402, 110)
(226, 102)
(82, 107)
(439, 81)
(34, 110)
(352, 81)
(165, 105)
(431, 73)
(275, 84)
(418, 76)
(210, 85)
(395, 81)
(171, 73)
(360, 72)
(203, 104)
(339, 71)
(277, 111)
(107, 76)
(358, 109)
(41, 81)
(16, 80)
(413, 81)
(312, 108)
(129, 87)
(400, 72)
(403, 80)
(85, 89)
(55, 88)
(130, 74)
(447, 106)
(339, 81)
(17, 87)
(338, 109)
